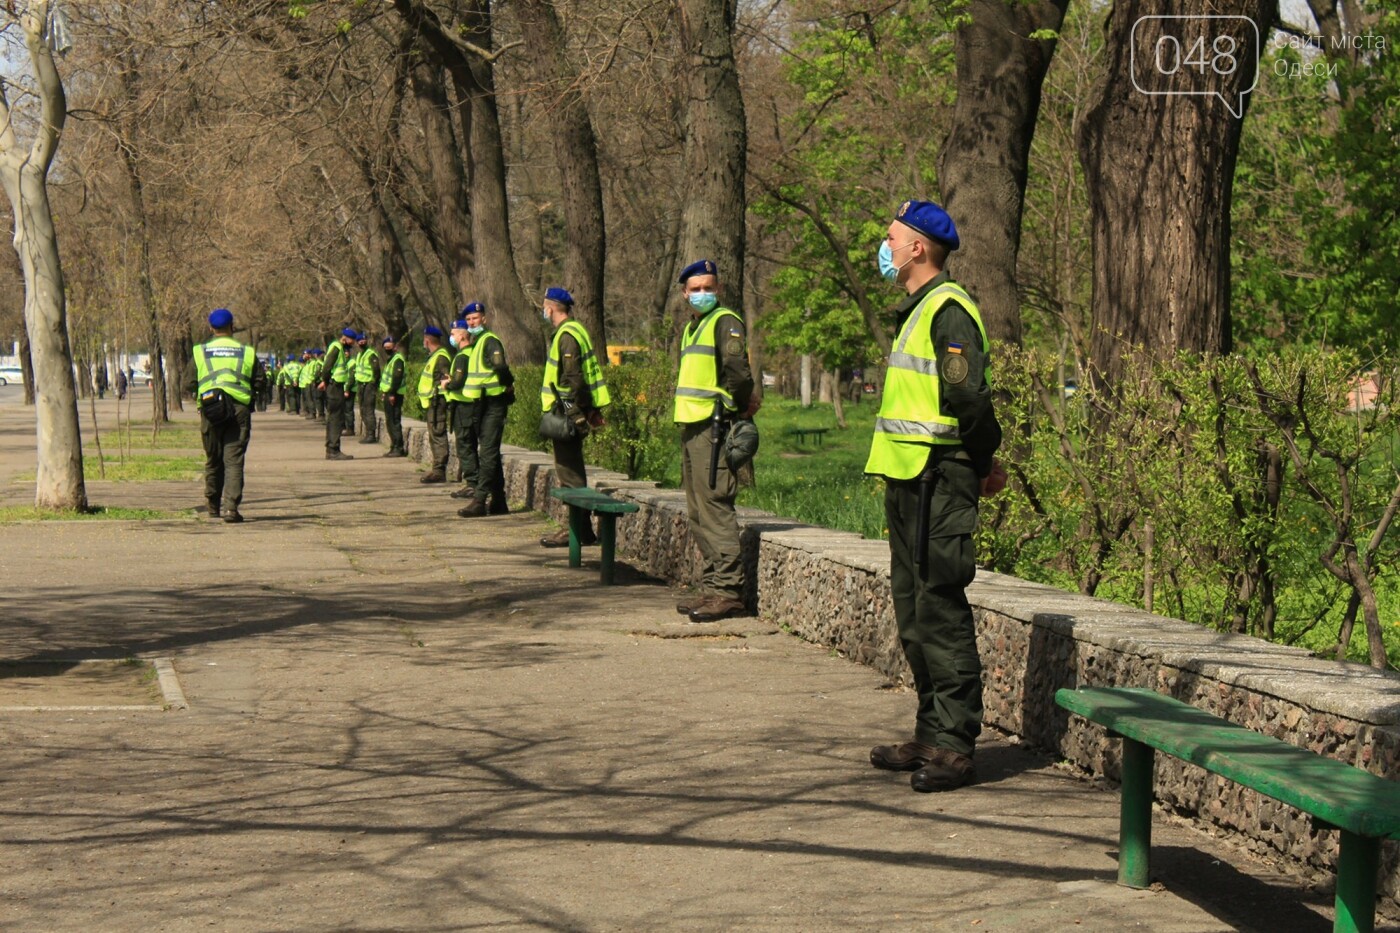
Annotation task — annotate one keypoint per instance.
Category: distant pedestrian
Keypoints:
(223, 380)
(121, 385)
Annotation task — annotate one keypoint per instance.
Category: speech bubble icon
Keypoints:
(1196, 55)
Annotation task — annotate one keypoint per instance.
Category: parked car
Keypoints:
(11, 375)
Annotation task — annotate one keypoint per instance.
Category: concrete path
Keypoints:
(402, 720)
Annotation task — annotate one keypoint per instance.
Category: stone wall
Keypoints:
(832, 588)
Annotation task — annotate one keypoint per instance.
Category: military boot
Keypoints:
(433, 476)
(910, 756)
(475, 509)
(945, 770)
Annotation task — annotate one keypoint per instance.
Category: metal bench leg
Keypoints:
(1135, 815)
(1357, 865)
(577, 517)
(607, 537)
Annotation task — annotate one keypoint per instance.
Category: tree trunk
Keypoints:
(576, 154)
(983, 165)
(160, 408)
(1159, 168)
(452, 222)
(59, 483)
(26, 366)
(465, 50)
(836, 406)
(805, 381)
(826, 388)
(716, 141)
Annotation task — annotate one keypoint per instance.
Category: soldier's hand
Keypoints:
(995, 481)
(755, 403)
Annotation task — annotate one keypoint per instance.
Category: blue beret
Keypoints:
(559, 295)
(291, 356)
(930, 220)
(221, 318)
(700, 267)
(349, 332)
(387, 340)
(317, 351)
(459, 324)
(431, 331)
(362, 336)
(475, 307)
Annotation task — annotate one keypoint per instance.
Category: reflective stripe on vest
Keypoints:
(427, 386)
(592, 372)
(386, 375)
(339, 373)
(460, 395)
(697, 384)
(482, 380)
(911, 419)
(364, 366)
(225, 364)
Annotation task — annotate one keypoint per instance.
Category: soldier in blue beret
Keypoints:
(573, 379)
(335, 373)
(490, 386)
(391, 381)
(434, 403)
(225, 379)
(714, 387)
(935, 443)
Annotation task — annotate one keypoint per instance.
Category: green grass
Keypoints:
(139, 439)
(821, 485)
(134, 469)
(14, 514)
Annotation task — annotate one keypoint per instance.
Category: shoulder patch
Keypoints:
(954, 369)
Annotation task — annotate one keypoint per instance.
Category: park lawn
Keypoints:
(27, 513)
(116, 468)
(820, 483)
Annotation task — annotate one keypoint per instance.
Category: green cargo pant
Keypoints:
(436, 417)
(224, 448)
(462, 417)
(934, 619)
(490, 482)
(713, 523)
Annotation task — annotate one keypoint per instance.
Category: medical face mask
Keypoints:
(888, 270)
(703, 302)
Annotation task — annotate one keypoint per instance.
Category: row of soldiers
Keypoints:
(327, 386)
(934, 443)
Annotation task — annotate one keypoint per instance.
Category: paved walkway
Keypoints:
(401, 720)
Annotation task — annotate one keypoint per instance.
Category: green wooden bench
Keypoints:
(1364, 807)
(581, 501)
(803, 433)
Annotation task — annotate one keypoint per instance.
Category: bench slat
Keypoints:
(1339, 794)
(588, 498)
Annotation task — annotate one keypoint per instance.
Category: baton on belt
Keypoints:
(926, 480)
(716, 439)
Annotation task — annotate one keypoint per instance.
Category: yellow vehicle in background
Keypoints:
(617, 355)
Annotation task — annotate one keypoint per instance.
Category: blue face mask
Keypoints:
(475, 330)
(888, 270)
(452, 339)
(703, 302)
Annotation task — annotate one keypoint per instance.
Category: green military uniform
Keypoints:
(224, 365)
(435, 410)
(461, 415)
(391, 388)
(291, 378)
(309, 372)
(351, 389)
(490, 385)
(334, 372)
(937, 426)
(714, 371)
(573, 367)
(367, 372)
